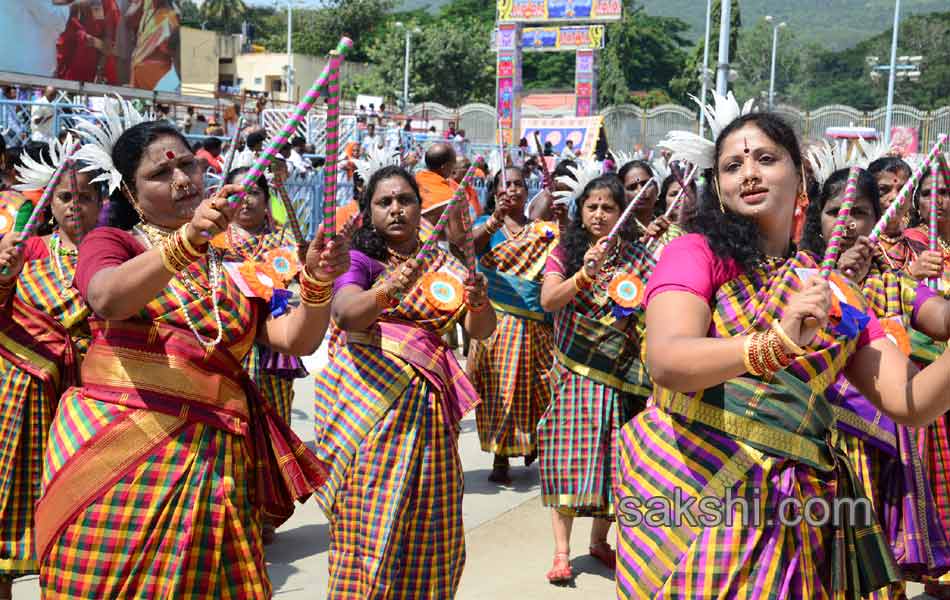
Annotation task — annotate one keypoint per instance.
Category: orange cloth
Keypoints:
(343, 213)
(434, 189)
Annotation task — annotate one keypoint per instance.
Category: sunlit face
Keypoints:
(395, 210)
(889, 185)
(860, 221)
(633, 181)
(76, 204)
(253, 213)
(943, 204)
(168, 183)
(757, 177)
(600, 213)
(517, 188)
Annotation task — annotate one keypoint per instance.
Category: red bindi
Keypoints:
(169, 155)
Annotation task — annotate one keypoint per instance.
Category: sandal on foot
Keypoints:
(605, 554)
(530, 458)
(268, 533)
(561, 571)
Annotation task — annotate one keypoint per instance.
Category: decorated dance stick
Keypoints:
(232, 151)
(291, 125)
(295, 227)
(469, 248)
(630, 208)
(501, 153)
(332, 147)
(934, 187)
(684, 186)
(444, 219)
(833, 251)
(907, 191)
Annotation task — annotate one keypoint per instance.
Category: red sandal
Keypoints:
(561, 571)
(605, 554)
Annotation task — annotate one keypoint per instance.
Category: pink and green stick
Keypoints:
(906, 192)
(469, 248)
(932, 229)
(293, 122)
(457, 197)
(833, 251)
(332, 147)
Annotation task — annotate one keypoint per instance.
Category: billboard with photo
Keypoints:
(115, 42)
(559, 10)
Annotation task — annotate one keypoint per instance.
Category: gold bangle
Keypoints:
(383, 299)
(314, 292)
(747, 355)
(584, 280)
(182, 231)
(790, 346)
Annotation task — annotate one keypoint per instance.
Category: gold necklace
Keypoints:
(397, 258)
(57, 250)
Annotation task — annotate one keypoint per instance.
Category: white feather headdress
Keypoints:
(826, 158)
(494, 162)
(374, 159)
(688, 146)
(661, 169)
(585, 172)
(623, 158)
(873, 150)
(36, 174)
(117, 116)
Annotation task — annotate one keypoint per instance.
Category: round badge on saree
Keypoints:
(442, 291)
(894, 330)
(626, 290)
(284, 262)
(260, 279)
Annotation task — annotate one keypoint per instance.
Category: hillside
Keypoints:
(835, 24)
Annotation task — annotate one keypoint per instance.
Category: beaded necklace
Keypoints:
(155, 235)
(58, 252)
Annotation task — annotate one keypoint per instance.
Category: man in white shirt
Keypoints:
(296, 158)
(29, 30)
(43, 117)
(568, 152)
(370, 139)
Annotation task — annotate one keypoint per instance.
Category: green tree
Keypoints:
(754, 62)
(689, 82)
(228, 13)
(316, 32)
(643, 53)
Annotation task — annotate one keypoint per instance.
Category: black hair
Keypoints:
(366, 239)
(256, 138)
(261, 181)
(212, 143)
(729, 235)
(493, 186)
(127, 155)
(812, 238)
(890, 164)
(634, 164)
(298, 141)
(661, 204)
(576, 240)
(916, 218)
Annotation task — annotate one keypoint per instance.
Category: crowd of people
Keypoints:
(654, 333)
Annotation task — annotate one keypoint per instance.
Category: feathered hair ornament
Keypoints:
(373, 160)
(826, 158)
(690, 147)
(118, 115)
(623, 158)
(36, 174)
(585, 172)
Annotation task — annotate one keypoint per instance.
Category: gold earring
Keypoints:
(722, 207)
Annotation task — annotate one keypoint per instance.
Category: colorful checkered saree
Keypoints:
(159, 468)
(386, 418)
(766, 440)
(884, 455)
(598, 382)
(511, 369)
(42, 329)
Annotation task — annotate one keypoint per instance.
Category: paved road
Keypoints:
(509, 541)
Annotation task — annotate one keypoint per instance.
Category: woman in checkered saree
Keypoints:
(389, 402)
(934, 441)
(159, 467)
(598, 380)
(510, 369)
(44, 336)
(739, 435)
(884, 454)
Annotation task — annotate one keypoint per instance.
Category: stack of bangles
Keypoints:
(313, 292)
(177, 252)
(384, 299)
(492, 225)
(581, 280)
(770, 351)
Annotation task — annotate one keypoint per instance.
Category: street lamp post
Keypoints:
(702, 95)
(725, 25)
(893, 74)
(775, 29)
(405, 75)
(290, 51)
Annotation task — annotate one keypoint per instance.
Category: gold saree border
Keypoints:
(600, 376)
(47, 366)
(108, 456)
